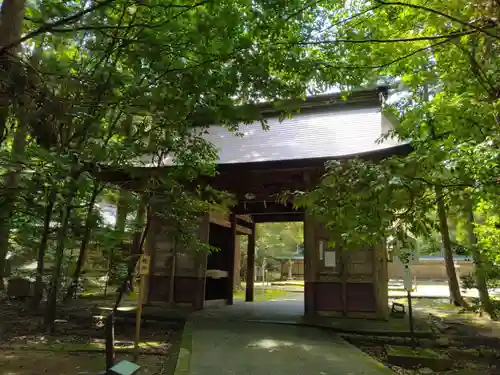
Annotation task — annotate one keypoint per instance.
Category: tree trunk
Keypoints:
(83, 246)
(11, 184)
(11, 16)
(43, 247)
(455, 295)
(480, 272)
(137, 244)
(11, 22)
(50, 315)
(122, 210)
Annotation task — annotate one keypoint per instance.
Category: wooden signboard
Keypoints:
(144, 263)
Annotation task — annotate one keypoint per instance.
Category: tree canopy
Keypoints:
(93, 92)
(443, 60)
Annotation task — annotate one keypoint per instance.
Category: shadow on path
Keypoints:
(289, 308)
(246, 348)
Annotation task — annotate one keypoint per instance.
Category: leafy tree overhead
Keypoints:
(93, 91)
(443, 57)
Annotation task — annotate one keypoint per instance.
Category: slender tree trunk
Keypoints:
(11, 16)
(82, 256)
(50, 315)
(453, 284)
(122, 210)
(10, 192)
(480, 272)
(43, 247)
(139, 238)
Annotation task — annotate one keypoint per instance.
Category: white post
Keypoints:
(264, 276)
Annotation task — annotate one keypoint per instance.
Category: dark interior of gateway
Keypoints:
(220, 238)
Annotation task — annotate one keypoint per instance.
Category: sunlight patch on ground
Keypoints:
(307, 348)
(124, 308)
(270, 344)
(8, 355)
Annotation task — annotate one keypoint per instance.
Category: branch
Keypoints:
(139, 25)
(50, 26)
(430, 183)
(390, 62)
(394, 40)
(478, 71)
(439, 13)
(350, 18)
(301, 10)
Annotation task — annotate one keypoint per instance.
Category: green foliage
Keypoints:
(114, 91)
(363, 203)
(279, 239)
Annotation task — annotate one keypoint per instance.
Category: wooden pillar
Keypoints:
(249, 293)
(201, 263)
(381, 281)
(237, 264)
(231, 260)
(310, 255)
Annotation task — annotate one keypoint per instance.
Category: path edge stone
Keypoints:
(183, 364)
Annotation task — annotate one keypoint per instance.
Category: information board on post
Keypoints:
(407, 279)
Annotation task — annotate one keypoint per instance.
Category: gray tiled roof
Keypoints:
(331, 132)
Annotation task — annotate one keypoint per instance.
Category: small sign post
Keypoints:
(143, 270)
(109, 331)
(408, 285)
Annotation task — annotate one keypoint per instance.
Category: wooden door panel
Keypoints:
(360, 297)
(345, 279)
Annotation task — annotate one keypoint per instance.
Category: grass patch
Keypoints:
(288, 283)
(261, 294)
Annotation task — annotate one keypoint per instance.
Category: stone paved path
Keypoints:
(221, 347)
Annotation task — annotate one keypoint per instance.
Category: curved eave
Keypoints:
(378, 154)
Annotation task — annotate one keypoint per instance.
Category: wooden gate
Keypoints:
(344, 283)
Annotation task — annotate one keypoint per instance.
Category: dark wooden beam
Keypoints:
(249, 292)
(225, 221)
(245, 218)
(265, 178)
(263, 207)
(232, 258)
(279, 218)
(244, 221)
